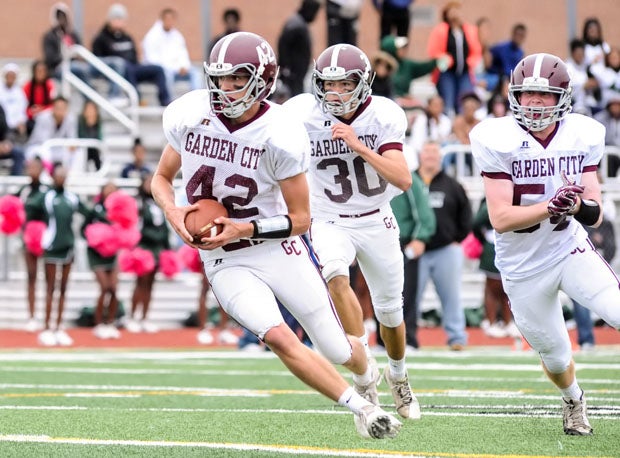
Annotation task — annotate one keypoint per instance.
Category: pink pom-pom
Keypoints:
(138, 261)
(126, 237)
(33, 233)
(190, 258)
(169, 263)
(472, 246)
(12, 214)
(101, 238)
(121, 208)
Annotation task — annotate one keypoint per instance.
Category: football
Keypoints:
(199, 222)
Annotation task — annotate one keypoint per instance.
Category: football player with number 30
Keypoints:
(356, 167)
(539, 168)
(234, 146)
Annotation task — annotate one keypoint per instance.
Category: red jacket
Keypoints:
(438, 46)
(43, 95)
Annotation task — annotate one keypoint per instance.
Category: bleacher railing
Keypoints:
(70, 80)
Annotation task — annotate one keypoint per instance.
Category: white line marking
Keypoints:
(292, 449)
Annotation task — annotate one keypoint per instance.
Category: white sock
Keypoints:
(397, 368)
(352, 400)
(363, 379)
(573, 391)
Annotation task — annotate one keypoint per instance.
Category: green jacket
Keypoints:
(481, 226)
(415, 217)
(408, 69)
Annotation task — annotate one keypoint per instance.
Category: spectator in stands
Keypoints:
(8, 150)
(232, 20)
(40, 91)
(459, 39)
(485, 80)
(384, 65)
(60, 35)
(114, 41)
(408, 69)
(610, 118)
(137, 168)
(89, 126)
(155, 238)
(394, 17)
(342, 21)
(595, 46)
(31, 194)
(106, 272)
(59, 206)
(295, 46)
(442, 260)
(463, 123)
(14, 102)
(507, 54)
(583, 83)
(497, 106)
(58, 122)
(164, 45)
(416, 223)
(498, 320)
(433, 125)
(607, 74)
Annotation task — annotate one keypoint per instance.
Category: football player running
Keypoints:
(539, 168)
(356, 167)
(234, 146)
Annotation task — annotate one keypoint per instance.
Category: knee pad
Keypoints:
(334, 268)
(390, 317)
(558, 361)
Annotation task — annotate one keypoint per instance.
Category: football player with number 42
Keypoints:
(234, 146)
(539, 168)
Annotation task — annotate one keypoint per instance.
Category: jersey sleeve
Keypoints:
(393, 125)
(180, 113)
(487, 159)
(288, 149)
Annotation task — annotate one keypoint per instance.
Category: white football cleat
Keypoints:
(32, 325)
(374, 422)
(574, 417)
(133, 326)
(407, 404)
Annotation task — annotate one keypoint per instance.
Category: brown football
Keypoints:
(199, 222)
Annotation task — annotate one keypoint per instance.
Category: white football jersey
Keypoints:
(341, 182)
(504, 150)
(239, 165)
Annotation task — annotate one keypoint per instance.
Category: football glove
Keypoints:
(564, 200)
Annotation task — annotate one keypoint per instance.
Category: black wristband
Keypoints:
(589, 212)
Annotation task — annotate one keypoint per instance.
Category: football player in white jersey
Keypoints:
(233, 146)
(356, 167)
(539, 168)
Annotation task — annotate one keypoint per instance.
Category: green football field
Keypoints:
(478, 403)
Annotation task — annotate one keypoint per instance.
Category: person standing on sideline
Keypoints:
(59, 206)
(443, 259)
(260, 178)
(539, 168)
(295, 46)
(417, 224)
(356, 167)
(31, 193)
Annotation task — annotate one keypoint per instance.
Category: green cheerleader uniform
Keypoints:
(154, 229)
(31, 195)
(96, 261)
(59, 206)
